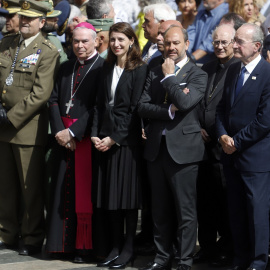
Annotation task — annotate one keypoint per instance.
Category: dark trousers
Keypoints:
(173, 189)
(248, 205)
(212, 208)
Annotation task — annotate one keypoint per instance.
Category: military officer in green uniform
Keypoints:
(102, 27)
(28, 64)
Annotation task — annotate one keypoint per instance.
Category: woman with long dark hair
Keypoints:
(116, 133)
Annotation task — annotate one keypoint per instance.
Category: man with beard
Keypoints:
(52, 26)
(173, 148)
(71, 112)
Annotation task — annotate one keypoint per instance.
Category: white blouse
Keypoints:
(117, 72)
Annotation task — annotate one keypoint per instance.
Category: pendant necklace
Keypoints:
(73, 90)
(9, 79)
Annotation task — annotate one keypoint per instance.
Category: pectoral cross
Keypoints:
(69, 104)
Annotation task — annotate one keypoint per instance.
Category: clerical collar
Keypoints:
(82, 62)
(27, 41)
(227, 64)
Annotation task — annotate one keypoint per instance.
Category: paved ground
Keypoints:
(10, 260)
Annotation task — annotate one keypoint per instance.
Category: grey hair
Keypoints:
(257, 34)
(160, 12)
(93, 33)
(74, 12)
(232, 32)
(95, 9)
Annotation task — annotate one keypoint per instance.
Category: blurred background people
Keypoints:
(12, 18)
(246, 9)
(189, 10)
(100, 9)
(102, 27)
(153, 16)
(233, 19)
(200, 32)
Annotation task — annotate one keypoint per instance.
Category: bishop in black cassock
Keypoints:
(71, 108)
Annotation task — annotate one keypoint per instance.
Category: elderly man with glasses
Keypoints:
(212, 210)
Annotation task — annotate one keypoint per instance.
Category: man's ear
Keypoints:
(102, 38)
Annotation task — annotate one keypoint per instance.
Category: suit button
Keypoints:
(4, 104)
(4, 91)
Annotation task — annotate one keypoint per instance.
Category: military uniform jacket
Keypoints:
(26, 99)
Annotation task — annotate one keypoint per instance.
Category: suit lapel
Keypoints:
(250, 83)
(183, 73)
(233, 83)
(109, 83)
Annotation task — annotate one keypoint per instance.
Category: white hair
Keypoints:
(160, 12)
(74, 12)
(227, 28)
(93, 33)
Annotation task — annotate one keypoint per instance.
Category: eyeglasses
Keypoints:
(241, 42)
(223, 43)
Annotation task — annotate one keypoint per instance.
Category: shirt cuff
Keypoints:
(167, 76)
(72, 134)
(171, 114)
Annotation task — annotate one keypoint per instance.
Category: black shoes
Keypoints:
(107, 263)
(122, 265)
(156, 266)
(183, 267)
(201, 256)
(78, 259)
(221, 261)
(29, 250)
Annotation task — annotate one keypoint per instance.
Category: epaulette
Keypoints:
(11, 34)
(49, 44)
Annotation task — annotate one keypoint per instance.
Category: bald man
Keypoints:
(173, 149)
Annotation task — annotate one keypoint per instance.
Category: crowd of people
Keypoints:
(108, 107)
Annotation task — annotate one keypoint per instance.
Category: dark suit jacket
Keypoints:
(183, 137)
(145, 50)
(209, 105)
(120, 122)
(247, 118)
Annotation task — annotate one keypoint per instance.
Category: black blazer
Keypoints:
(183, 137)
(209, 105)
(120, 122)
